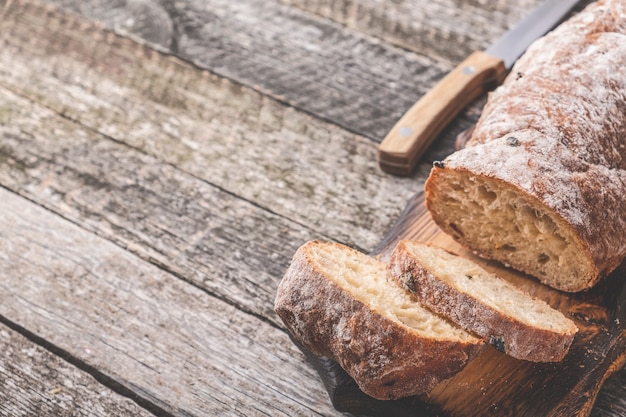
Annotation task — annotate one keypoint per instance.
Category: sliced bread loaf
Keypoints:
(540, 185)
(482, 303)
(340, 303)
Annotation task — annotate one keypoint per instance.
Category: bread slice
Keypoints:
(482, 303)
(340, 303)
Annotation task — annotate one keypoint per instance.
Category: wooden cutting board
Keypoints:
(494, 384)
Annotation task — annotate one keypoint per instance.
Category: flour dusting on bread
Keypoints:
(482, 303)
(549, 151)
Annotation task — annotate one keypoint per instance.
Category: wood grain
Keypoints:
(426, 27)
(281, 159)
(311, 63)
(344, 76)
(208, 237)
(171, 344)
(36, 382)
(140, 148)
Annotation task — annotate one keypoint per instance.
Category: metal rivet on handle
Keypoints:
(405, 130)
(469, 70)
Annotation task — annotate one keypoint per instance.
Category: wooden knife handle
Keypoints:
(407, 141)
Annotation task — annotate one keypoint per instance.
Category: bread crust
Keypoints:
(506, 333)
(556, 132)
(386, 359)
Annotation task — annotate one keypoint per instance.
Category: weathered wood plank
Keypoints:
(341, 75)
(202, 234)
(611, 401)
(312, 63)
(35, 382)
(168, 342)
(235, 138)
(447, 30)
(93, 223)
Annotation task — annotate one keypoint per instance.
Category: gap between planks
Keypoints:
(316, 65)
(165, 341)
(204, 125)
(35, 382)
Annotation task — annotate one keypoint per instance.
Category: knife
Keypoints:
(482, 71)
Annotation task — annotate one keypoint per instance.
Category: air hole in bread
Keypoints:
(389, 383)
(486, 195)
(456, 229)
(543, 258)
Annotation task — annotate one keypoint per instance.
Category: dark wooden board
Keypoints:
(495, 384)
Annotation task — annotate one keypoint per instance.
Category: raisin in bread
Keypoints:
(540, 185)
(340, 303)
(480, 302)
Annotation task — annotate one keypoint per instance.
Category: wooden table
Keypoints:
(161, 161)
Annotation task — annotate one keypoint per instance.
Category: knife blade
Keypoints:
(480, 72)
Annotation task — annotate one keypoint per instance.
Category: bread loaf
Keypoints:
(541, 184)
(480, 302)
(340, 303)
